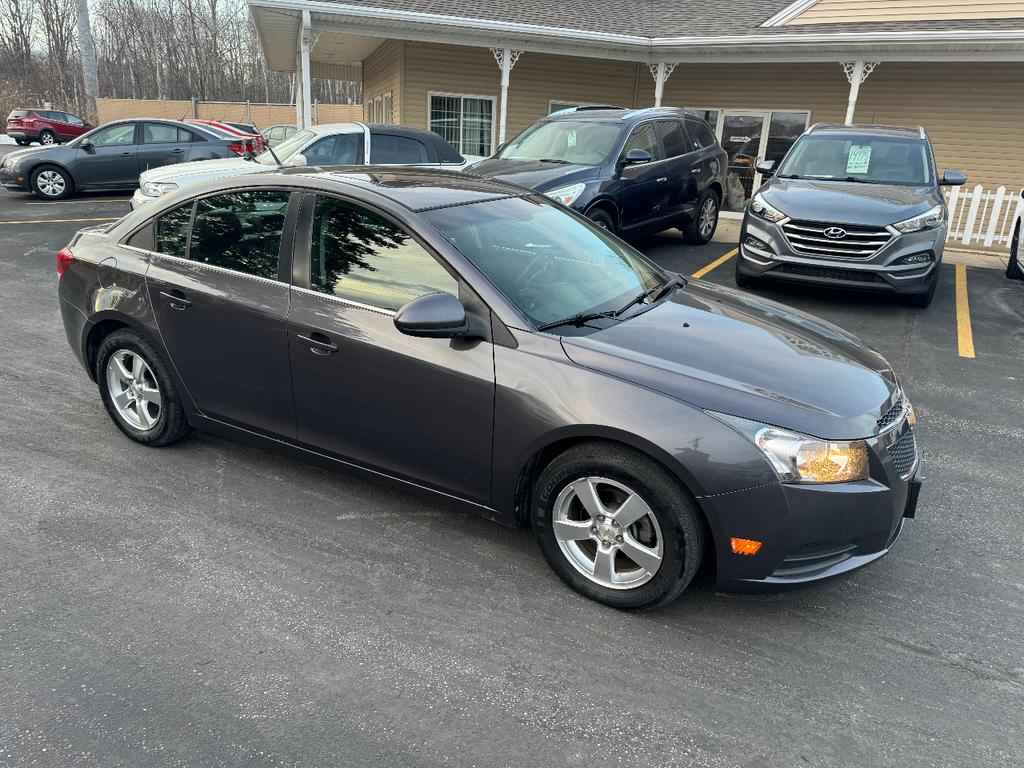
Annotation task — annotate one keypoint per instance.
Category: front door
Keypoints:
(222, 308)
(645, 196)
(112, 160)
(420, 409)
(163, 144)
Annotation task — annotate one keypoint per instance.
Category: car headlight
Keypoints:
(158, 188)
(760, 208)
(927, 220)
(567, 195)
(801, 459)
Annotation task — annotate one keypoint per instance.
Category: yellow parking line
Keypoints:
(78, 202)
(716, 263)
(57, 221)
(964, 337)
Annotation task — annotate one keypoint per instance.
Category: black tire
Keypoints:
(693, 232)
(171, 424)
(1014, 269)
(923, 300)
(23, 142)
(603, 219)
(681, 529)
(47, 137)
(46, 192)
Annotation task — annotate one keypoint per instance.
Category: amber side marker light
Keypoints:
(744, 546)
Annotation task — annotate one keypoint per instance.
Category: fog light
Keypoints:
(915, 258)
(754, 242)
(744, 546)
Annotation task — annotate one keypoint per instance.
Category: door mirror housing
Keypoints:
(297, 160)
(434, 316)
(500, 147)
(766, 167)
(86, 144)
(953, 179)
(636, 157)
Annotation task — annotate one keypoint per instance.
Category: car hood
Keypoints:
(535, 174)
(726, 351)
(202, 170)
(849, 202)
(30, 152)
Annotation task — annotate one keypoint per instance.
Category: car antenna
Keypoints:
(270, 149)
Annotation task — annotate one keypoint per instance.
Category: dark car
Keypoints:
(47, 126)
(478, 343)
(851, 207)
(109, 157)
(630, 171)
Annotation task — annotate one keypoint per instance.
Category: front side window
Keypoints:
(465, 122)
(549, 263)
(386, 149)
(872, 159)
(161, 133)
(578, 142)
(645, 138)
(360, 256)
(114, 136)
(240, 231)
(171, 236)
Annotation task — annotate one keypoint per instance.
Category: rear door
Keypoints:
(112, 160)
(645, 193)
(163, 144)
(221, 304)
(60, 125)
(683, 189)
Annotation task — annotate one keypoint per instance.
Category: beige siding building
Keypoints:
(760, 72)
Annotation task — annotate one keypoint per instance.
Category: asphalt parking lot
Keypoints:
(210, 604)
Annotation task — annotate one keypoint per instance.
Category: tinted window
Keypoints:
(579, 142)
(240, 231)
(672, 137)
(75, 120)
(386, 149)
(646, 138)
(160, 133)
(701, 133)
(340, 149)
(360, 256)
(16, 113)
(114, 136)
(876, 159)
(172, 232)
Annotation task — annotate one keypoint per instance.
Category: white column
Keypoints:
(298, 89)
(305, 36)
(660, 72)
(856, 73)
(506, 58)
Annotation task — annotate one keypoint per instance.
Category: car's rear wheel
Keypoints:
(701, 227)
(602, 218)
(137, 390)
(47, 137)
(23, 142)
(617, 527)
(51, 183)
(1014, 268)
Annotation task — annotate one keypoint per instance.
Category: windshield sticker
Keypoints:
(859, 160)
(572, 139)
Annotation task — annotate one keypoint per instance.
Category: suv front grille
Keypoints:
(904, 453)
(808, 238)
(829, 273)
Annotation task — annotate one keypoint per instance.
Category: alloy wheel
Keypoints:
(133, 390)
(708, 218)
(46, 138)
(51, 183)
(608, 533)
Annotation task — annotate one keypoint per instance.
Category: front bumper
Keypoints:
(815, 532)
(779, 261)
(13, 180)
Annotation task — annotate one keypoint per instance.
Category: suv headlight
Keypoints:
(158, 188)
(567, 195)
(927, 220)
(801, 459)
(760, 208)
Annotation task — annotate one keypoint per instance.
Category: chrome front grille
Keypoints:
(904, 453)
(843, 241)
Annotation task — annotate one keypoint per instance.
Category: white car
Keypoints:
(338, 144)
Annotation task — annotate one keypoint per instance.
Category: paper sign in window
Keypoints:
(572, 139)
(859, 159)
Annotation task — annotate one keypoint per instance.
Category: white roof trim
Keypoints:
(791, 11)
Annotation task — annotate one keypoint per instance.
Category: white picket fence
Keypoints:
(981, 218)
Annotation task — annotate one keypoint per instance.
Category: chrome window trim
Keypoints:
(349, 302)
(214, 267)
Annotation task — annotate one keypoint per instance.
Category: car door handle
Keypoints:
(127, 154)
(695, 170)
(319, 344)
(663, 179)
(177, 151)
(176, 299)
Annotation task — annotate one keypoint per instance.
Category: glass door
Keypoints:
(742, 133)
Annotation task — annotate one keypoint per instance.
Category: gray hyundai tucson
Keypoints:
(851, 207)
(478, 343)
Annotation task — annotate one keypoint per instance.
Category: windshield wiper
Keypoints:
(790, 176)
(553, 160)
(653, 294)
(578, 319)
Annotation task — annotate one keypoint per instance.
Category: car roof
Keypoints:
(618, 114)
(904, 132)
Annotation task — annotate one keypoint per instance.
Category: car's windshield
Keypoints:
(549, 263)
(873, 159)
(581, 142)
(285, 149)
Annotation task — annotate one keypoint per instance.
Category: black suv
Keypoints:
(631, 171)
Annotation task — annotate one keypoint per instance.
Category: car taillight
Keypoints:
(64, 259)
(237, 147)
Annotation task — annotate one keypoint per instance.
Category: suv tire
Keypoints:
(603, 219)
(47, 138)
(702, 226)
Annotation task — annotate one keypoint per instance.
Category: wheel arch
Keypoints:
(31, 171)
(716, 187)
(102, 325)
(607, 205)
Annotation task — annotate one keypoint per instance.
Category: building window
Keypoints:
(465, 122)
(388, 103)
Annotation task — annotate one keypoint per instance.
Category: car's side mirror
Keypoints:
(501, 147)
(953, 179)
(435, 316)
(297, 160)
(766, 167)
(86, 144)
(636, 157)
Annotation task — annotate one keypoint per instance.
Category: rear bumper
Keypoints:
(21, 133)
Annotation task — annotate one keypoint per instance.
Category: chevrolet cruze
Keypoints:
(474, 341)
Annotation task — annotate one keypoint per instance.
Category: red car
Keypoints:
(249, 138)
(47, 126)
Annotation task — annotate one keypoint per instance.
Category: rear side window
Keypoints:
(340, 149)
(387, 149)
(161, 133)
(74, 120)
(240, 231)
(644, 137)
(701, 133)
(171, 237)
(16, 113)
(672, 137)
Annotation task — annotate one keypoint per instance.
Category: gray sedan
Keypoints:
(110, 157)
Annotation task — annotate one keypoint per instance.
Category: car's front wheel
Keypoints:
(602, 218)
(137, 390)
(51, 183)
(1014, 268)
(617, 527)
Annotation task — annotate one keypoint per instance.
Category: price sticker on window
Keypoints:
(859, 159)
(572, 139)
